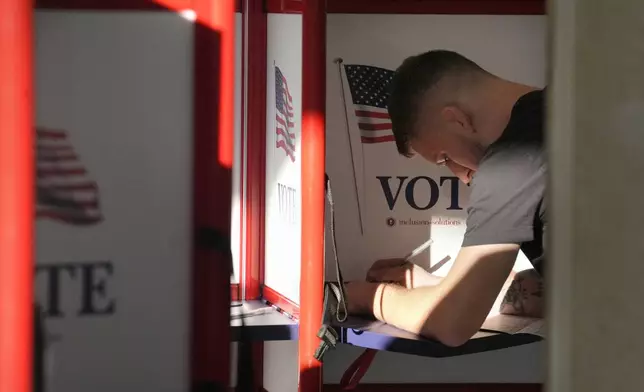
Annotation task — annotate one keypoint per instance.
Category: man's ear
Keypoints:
(455, 117)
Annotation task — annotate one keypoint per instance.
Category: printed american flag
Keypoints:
(284, 116)
(369, 93)
(64, 190)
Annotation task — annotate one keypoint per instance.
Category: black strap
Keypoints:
(342, 314)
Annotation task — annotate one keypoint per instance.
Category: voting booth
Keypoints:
(157, 176)
(385, 204)
(130, 135)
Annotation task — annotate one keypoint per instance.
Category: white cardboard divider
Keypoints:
(236, 210)
(283, 159)
(403, 202)
(114, 94)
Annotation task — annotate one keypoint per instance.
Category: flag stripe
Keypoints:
(50, 134)
(66, 217)
(287, 139)
(377, 139)
(281, 121)
(288, 92)
(51, 172)
(53, 149)
(87, 186)
(57, 158)
(65, 192)
(284, 121)
(287, 149)
(82, 203)
(371, 114)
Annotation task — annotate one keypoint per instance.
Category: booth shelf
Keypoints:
(380, 336)
(269, 325)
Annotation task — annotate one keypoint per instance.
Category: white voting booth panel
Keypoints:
(283, 159)
(114, 93)
(386, 204)
(283, 191)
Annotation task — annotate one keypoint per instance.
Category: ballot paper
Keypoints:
(516, 325)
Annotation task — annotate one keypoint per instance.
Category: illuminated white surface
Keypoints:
(283, 233)
(121, 84)
(190, 15)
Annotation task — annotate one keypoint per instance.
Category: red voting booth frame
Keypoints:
(16, 196)
(214, 49)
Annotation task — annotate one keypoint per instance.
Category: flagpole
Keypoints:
(353, 166)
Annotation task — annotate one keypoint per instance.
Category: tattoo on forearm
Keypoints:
(520, 292)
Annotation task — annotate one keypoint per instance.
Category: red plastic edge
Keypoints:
(252, 172)
(449, 7)
(235, 292)
(255, 148)
(16, 196)
(284, 6)
(492, 387)
(281, 302)
(124, 5)
(313, 167)
(490, 7)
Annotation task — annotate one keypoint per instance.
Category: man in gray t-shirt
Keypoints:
(489, 132)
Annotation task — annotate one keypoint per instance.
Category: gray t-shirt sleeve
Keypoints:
(507, 191)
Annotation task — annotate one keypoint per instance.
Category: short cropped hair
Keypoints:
(417, 75)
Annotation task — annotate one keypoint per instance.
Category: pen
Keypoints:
(419, 250)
